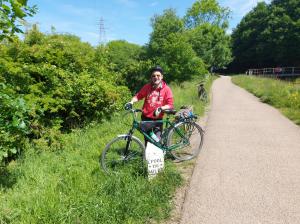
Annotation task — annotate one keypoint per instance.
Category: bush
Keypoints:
(14, 122)
(53, 83)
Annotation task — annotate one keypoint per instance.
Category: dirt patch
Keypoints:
(186, 170)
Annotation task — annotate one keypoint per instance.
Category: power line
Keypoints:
(102, 34)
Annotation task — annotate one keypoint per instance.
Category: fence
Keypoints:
(275, 72)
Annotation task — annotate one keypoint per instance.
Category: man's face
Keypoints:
(156, 78)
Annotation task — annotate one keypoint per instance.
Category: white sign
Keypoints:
(155, 160)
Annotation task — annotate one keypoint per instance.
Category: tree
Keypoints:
(206, 23)
(284, 21)
(122, 54)
(211, 44)
(129, 61)
(179, 59)
(206, 11)
(170, 48)
(10, 12)
(268, 36)
(251, 38)
(163, 25)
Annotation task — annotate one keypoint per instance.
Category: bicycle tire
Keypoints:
(115, 159)
(189, 138)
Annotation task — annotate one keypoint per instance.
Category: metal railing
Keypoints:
(275, 72)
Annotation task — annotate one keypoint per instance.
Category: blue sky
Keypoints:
(123, 19)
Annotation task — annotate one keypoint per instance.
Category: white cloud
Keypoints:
(128, 3)
(139, 18)
(47, 22)
(152, 4)
(229, 31)
(92, 35)
(239, 8)
(77, 11)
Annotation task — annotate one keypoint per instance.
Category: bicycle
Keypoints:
(182, 138)
(202, 92)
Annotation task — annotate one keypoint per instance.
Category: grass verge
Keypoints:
(281, 94)
(67, 186)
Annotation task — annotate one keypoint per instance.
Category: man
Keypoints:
(157, 97)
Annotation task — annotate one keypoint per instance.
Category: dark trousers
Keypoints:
(156, 126)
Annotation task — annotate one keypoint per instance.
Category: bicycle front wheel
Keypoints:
(122, 154)
(187, 139)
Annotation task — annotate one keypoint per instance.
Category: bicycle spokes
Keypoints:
(122, 154)
(186, 139)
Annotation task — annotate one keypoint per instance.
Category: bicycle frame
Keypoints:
(136, 125)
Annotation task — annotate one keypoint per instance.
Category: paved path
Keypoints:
(249, 169)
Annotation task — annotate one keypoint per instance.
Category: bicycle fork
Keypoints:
(128, 138)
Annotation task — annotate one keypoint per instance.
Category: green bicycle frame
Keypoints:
(162, 144)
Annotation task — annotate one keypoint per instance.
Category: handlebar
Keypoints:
(129, 107)
(166, 111)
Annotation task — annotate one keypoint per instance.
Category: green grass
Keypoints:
(68, 186)
(281, 94)
(186, 94)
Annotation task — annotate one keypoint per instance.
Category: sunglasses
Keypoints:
(155, 76)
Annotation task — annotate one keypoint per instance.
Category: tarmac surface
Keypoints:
(249, 168)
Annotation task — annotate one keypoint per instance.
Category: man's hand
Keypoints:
(157, 112)
(128, 106)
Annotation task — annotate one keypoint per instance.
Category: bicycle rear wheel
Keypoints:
(203, 96)
(122, 154)
(187, 139)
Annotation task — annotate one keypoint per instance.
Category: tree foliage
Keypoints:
(163, 25)
(122, 54)
(129, 60)
(170, 48)
(206, 22)
(52, 83)
(268, 36)
(10, 12)
(179, 59)
(211, 44)
(207, 11)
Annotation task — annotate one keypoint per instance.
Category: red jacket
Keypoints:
(155, 98)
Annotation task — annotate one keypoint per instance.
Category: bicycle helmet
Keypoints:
(157, 68)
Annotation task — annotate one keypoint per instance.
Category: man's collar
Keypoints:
(160, 85)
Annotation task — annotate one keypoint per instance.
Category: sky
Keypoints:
(128, 20)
